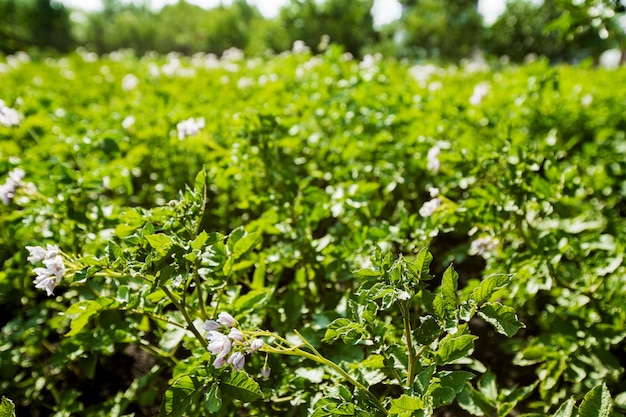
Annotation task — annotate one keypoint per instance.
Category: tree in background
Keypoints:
(27, 24)
(548, 29)
(439, 29)
(348, 23)
(120, 26)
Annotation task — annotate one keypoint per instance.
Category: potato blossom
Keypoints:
(219, 343)
(190, 127)
(47, 278)
(8, 189)
(228, 342)
(432, 160)
(429, 207)
(8, 117)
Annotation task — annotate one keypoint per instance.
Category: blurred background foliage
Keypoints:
(440, 30)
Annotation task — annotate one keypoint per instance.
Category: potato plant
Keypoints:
(310, 235)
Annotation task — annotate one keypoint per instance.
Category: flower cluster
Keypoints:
(129, 82)
(47, 278)
(190, 127)
(483, 245)
(8, 116)
(432, 163)
(429, 207)
(7, 190)
(480, 91)
(228, 342)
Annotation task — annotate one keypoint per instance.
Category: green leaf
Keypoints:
(213, 399)
(551, 372)
(82, 312)
(453, 347)
(488, 286)
(244, 244)
(368, 273)
(428, 330)
(566, 409)
(488, 386)
(502, 318)
(421, 266)
(454, 379)
(404, 404)
(446, 302)
(238, 385)
(159, 241)
(423, 379)
(7, 408)
(347, 330)
(179, 396)
(596, 403)
(441, 395)
(252, 300)
(199, 241)
(475, 402)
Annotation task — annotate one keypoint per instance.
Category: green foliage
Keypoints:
(349, 24)
(402, 241)
(444, 30)
(30, 24)
(551, 29)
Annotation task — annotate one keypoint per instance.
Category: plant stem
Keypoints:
(406, 317)
(183, 310)
(317, 357)
(196, 277)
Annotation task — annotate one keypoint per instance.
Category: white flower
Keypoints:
(433, 191)
(265, 372)
(37, 254)
(432, 163)
(299, 47)
(219, 344)
(237, 360)
(55, 266)
(129, 82)
(17, 175)
(8, 116)
(429, 207)
(236, 334)
(7, 192)
(226, 319)
(482, 245)
(128, 122)
(256, 344)
(8, 189)
(190, 127)
(45, 282)
(51, 251)
(210, 325)
(219, 362)
(480, 91)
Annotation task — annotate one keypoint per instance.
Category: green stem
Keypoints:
(317, 357)
(412, 357)
(196, 277)
(183, 310)
(155, 317)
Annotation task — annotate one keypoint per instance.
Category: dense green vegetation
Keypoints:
(442, 30)
(336, 208)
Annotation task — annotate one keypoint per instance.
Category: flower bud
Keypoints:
(265, 372)
(236, 334)
(226, 319)
(210, 325)
(219, 362)
(237, 360)
(256, 344)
